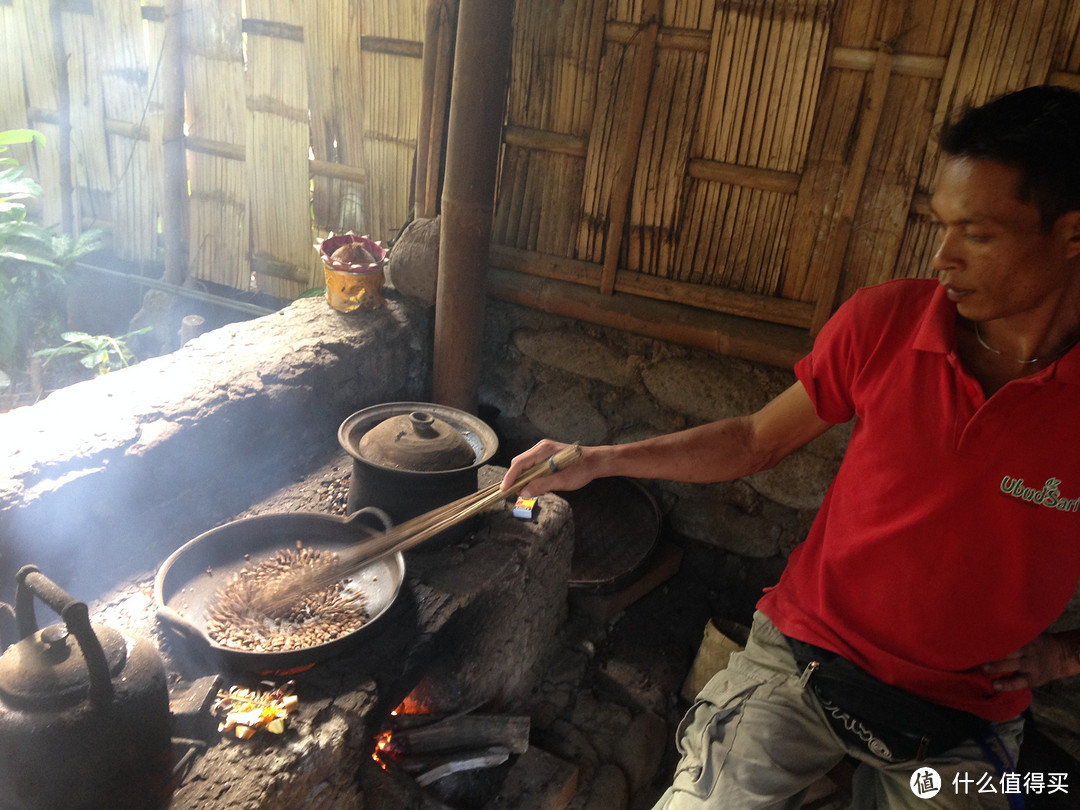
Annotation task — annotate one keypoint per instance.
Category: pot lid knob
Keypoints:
(48, 671)
(417, 442)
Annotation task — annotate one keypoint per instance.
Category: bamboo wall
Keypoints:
(299, 119)
(716, 173)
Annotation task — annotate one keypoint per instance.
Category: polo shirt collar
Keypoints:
(937, 333)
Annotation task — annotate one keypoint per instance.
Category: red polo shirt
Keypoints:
(951, 534)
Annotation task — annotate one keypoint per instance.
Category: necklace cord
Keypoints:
(988, 347)
(1062, 352)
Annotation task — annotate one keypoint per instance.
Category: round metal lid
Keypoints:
(416, 441)
(48, 671)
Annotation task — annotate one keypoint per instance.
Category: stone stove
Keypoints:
(99, 483)
(469, 629)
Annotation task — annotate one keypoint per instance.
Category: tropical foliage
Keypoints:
(35, 262)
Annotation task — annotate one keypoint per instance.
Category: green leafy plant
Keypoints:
(99, 353)
(35, 261)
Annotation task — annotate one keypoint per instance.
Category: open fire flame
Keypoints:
(384, 752)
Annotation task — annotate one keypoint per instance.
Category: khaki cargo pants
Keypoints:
(756, 738)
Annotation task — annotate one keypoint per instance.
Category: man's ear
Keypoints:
(1069, 223)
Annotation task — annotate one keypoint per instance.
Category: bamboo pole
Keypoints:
(731, 302)
(844, 220)
(174, 205)
(63, 98)
(406, 535)
(620, 194)
(438, 57)
(748, 338)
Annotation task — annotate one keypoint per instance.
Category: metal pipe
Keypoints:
(199, 295)
(477, 107)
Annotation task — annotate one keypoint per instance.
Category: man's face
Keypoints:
(994, 258)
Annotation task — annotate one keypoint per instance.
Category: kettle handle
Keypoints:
(76, 616)
(7, 626)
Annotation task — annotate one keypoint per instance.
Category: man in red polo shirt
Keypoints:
(908, 628)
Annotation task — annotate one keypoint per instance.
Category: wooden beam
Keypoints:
(904, 64)
(730, 335)
(749, 176)
(546, 140)
(462, 732)
(392, 47)
(715, 299)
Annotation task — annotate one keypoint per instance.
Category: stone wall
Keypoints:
(549, 376)
(106, 477)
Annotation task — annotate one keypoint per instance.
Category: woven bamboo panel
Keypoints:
(690, 14)
(761, 158)
(12, 92)
(757, 109)
(42, 94)
(625, 10)
(217, 113)
(389, 141)
(390, 89)
(126, 78)
(656, 199)
(608, 141)
(911, 114)
(556, 53)
(90, 169)
(331, 44)
(277, 142)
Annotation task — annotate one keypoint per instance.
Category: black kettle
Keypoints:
(84, 709)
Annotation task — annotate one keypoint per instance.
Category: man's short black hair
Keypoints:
(1035, 130)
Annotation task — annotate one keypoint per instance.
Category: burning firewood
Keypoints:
(457, 733)
(431, 747)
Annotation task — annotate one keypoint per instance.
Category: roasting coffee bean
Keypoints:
(317, 617)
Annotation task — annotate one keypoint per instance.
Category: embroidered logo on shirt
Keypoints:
(1048, 496)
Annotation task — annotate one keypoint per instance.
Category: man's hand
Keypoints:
(1048, 657)
(573, 477)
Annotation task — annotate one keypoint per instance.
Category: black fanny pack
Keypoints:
(892, 724)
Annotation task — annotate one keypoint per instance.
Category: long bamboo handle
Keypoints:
(423, 527)
(412, 532)
(560, 461)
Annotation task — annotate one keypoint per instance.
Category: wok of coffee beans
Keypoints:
(239, 620)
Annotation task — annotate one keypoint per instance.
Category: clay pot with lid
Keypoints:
(412, 457)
